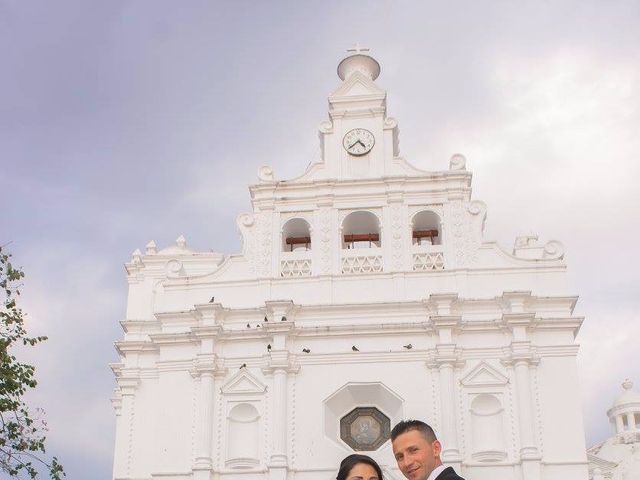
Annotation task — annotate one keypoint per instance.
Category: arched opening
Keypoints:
(296, 235)
(426, 228)
(361, 230)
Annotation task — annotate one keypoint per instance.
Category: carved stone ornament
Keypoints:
(245, 223)
(264, 224)
(457, 162)
(365, 428)
(553, 250)
(324, 235)
(396, 234)
(265, 174)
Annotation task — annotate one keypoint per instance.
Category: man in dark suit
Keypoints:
(417, 451)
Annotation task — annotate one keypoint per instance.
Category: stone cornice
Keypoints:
(433, 358)
(453, 322)
(281, 360)
(124, 346)
(128, 380)
(209, 331)
(442, 303)
(210, 313)
(519, 352)
(368, 329)
(207, 363)
(140, 326)
(178, 338)
(186, 318)
(279, 309)
(279, 328)
(445, 354)
(454, 180)
(518, 319)
(291, 329)
(207, 281)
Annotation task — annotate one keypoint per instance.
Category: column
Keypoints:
(619, 424)
(631, 421)
(525, 409)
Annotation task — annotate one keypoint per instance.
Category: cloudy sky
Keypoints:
(126, 121)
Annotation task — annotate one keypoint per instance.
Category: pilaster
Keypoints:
(127, 386)
(280, 364)
(205, 369)
(446, 359)
(521, 356)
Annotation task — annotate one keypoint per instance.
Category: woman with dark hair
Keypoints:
(359, 467)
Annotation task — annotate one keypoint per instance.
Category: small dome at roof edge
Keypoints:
(628, 396)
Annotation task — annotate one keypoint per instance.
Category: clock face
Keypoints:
(358, 141)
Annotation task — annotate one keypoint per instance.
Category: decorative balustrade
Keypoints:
(295, 264)
(362, 260)
(428, 257)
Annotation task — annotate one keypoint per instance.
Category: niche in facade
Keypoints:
(487, 429)
(296, 235)
(361, 230)
(365, 428)
(243, 436)
(426, 228)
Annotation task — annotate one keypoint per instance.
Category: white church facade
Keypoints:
(364, 294)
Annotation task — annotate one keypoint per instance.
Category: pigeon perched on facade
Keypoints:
(269, 347)
(265, 319)
(354, 348)
(283, 319)
(248, 325)
(244, 365)
(258, 326)
(306, 350)
(408, 347)
(212, 299)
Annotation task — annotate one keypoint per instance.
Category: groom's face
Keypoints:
(416, 456)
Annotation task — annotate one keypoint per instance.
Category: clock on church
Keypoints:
(358, 142)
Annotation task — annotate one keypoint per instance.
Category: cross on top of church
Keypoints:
(357, 49)
(358, 60)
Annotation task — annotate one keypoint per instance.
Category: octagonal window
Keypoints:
(365, 428)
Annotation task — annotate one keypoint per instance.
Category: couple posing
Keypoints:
(417, 451)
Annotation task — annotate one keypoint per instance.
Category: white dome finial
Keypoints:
(358, 61)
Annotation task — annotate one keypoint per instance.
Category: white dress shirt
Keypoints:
(436, 471)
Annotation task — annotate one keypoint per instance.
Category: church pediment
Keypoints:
(484, 375)
(357, 84)
(243, 383)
